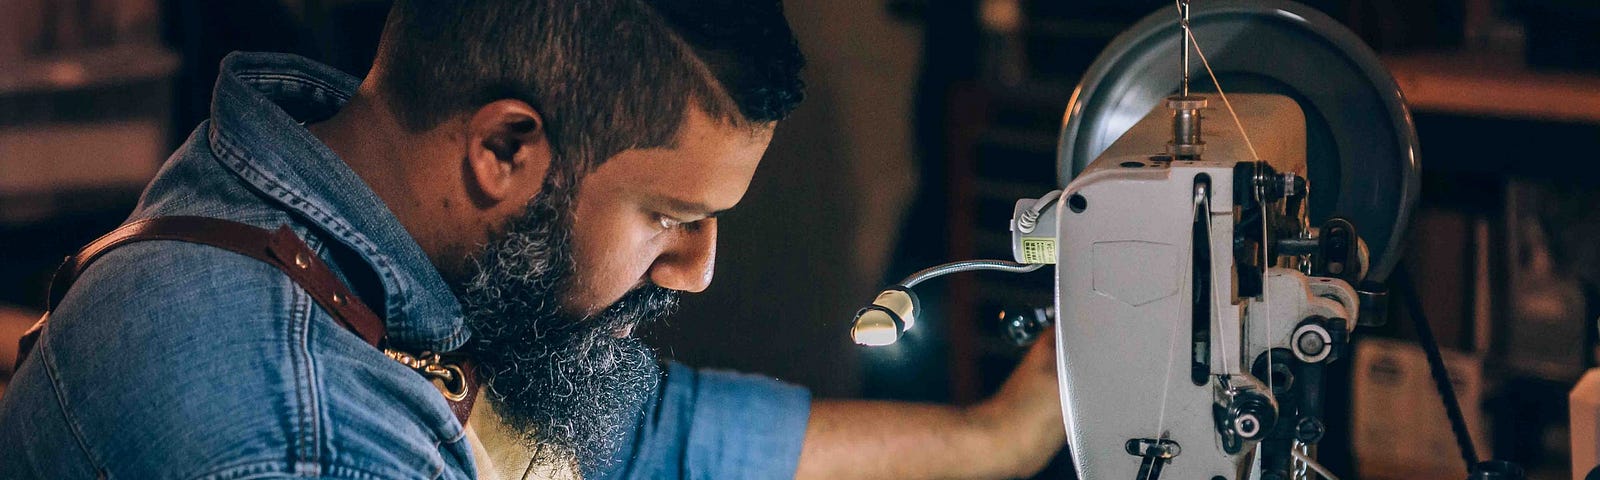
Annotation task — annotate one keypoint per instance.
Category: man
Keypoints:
(518, 182)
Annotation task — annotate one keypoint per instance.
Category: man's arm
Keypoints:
(1012, 434)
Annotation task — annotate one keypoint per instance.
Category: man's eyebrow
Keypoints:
(685, 206)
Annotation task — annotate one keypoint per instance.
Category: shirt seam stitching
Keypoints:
(438, 449)
(254, 467)
(61, 402)
(289, 77)
(307, 437)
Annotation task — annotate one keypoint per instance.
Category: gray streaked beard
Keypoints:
(561, 381)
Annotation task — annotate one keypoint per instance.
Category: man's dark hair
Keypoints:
(606, 75)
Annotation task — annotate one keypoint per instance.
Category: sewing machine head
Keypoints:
(1198, 307)
(1208, 260)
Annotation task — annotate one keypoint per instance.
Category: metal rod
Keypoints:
(967, 265)
(1183, 25)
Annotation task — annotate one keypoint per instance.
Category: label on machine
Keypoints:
(1039, 250)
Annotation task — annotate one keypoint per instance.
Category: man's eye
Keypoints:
(668, 223)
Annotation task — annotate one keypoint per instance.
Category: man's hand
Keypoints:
(1012, 434)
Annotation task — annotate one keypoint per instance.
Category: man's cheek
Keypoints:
(611, 258)
(601, 286)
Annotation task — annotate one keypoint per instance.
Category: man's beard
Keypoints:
(563, 382)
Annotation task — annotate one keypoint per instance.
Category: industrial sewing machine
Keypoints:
(1213, 251)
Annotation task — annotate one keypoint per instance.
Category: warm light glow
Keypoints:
(901, 303)
(874, 328)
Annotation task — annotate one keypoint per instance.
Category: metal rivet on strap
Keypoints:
(301, 260)
(338, 299)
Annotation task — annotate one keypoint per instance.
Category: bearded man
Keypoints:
(518, 184)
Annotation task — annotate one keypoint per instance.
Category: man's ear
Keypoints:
(506, 149)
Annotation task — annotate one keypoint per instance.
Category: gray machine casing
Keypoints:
(1316, 102)
(1124, 285)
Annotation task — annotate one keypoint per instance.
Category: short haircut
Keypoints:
(605, 75)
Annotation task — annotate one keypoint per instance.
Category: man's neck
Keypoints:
(381, 151)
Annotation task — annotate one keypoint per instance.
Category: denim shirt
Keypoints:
(183, 361)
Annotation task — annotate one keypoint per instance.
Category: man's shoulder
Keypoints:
(174, 279)
(181, 355)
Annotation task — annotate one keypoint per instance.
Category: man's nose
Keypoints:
(688, 263)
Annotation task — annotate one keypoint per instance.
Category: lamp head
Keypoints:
(889, 316)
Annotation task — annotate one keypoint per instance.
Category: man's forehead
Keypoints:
(674, 204)
(707, 170)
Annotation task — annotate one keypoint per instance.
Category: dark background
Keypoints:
(926, 119)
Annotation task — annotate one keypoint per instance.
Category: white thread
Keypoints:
(1161, 418)
(1216, 310)
(1202, 54)
(1266, 262)
(1200, 205)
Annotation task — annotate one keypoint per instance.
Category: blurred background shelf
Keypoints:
(114, 65)
(1495, 85)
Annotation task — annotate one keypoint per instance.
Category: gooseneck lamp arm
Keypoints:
(895, 309)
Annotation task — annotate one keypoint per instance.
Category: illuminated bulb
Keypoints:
(889, 317)
(901, 303)
(875, 328)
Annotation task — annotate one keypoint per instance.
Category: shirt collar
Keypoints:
(259, 100)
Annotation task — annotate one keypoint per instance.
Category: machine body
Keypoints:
(1208, 263)
(1172, 334)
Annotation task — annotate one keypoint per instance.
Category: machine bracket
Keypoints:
(1154, 454)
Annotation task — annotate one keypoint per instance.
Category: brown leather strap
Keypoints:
(280, 248)
(463, 408)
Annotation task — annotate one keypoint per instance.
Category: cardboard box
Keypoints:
(1398, 424)
(37, 162)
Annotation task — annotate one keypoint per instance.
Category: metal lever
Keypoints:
(1022, 325)
(1153, 455)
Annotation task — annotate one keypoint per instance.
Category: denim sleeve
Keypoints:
(709, 424)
